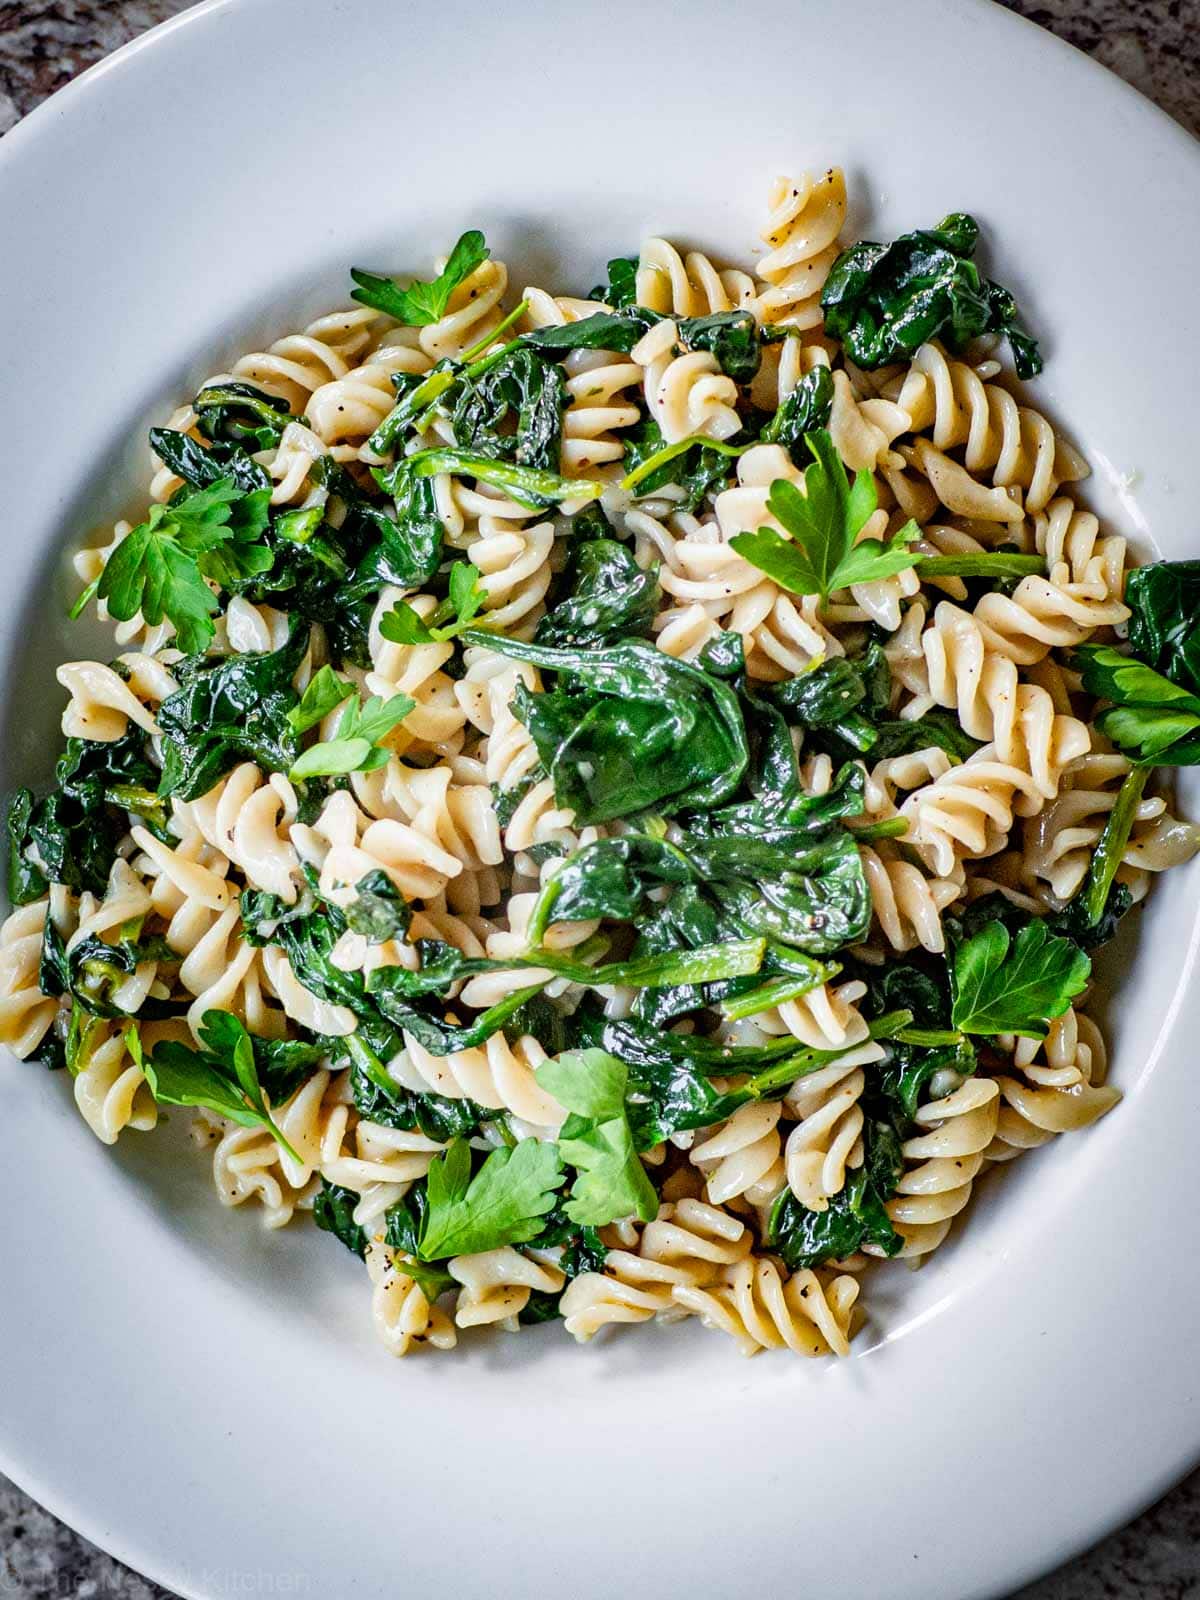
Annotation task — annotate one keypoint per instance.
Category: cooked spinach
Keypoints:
(226, 711)
(621, 289)
(201, 467)
(730, 337)
(803, 411)
(333, 1211)
(854, 1217)
(513, 412)
(71, 835)
(241, 413)
(378, 911)
(628, 728)
(695, 465)
(883, 301)
(610, 598)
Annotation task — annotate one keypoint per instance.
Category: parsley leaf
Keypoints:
(502, 1204)
(403, 625)
(597, 1139)
(821, 554)
(1152, 720)
(1005, 985)
(160, 567)
(223, 1077)
(356, 747)
(422, 303)
(325, 690)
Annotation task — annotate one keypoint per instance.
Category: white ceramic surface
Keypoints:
(207, 1401)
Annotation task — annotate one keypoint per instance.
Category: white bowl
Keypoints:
(207, 1401)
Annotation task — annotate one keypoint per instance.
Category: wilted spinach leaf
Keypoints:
(230, 711)
(885, 301)
(854, 1217)
(628, 728)
(513, 412)
(610, 598)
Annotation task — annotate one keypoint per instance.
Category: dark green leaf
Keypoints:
(729, 336)
(241, 413)
(333, 1210)
(379, 912)
(628, 728)
(885, 301)
(610, 598)
(854, 1217)
(230, 711)
(803, 411)
(621, 289)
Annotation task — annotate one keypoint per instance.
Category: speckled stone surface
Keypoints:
(1155, 45)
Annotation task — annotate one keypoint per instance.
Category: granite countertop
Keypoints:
(1155, 45)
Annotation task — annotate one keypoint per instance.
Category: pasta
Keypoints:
(605, 803)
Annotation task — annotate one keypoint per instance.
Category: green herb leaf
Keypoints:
(597, 1140)
(823, 522)
(1006, 985)
(221, 1078)
(502, 1204)
(159, 568)
(1152, 720)
(404, 625)
(355, 747)
(325, 690)
(422, 302)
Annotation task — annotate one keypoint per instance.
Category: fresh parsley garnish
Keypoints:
(1005, 985)
(355, 747)
(160, 567)
(325, 690)
(821, 554)
(223, 1077)
(404, 625)
(504, 1202)
(1152, 720)
(596, 1138)
(422, 302)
